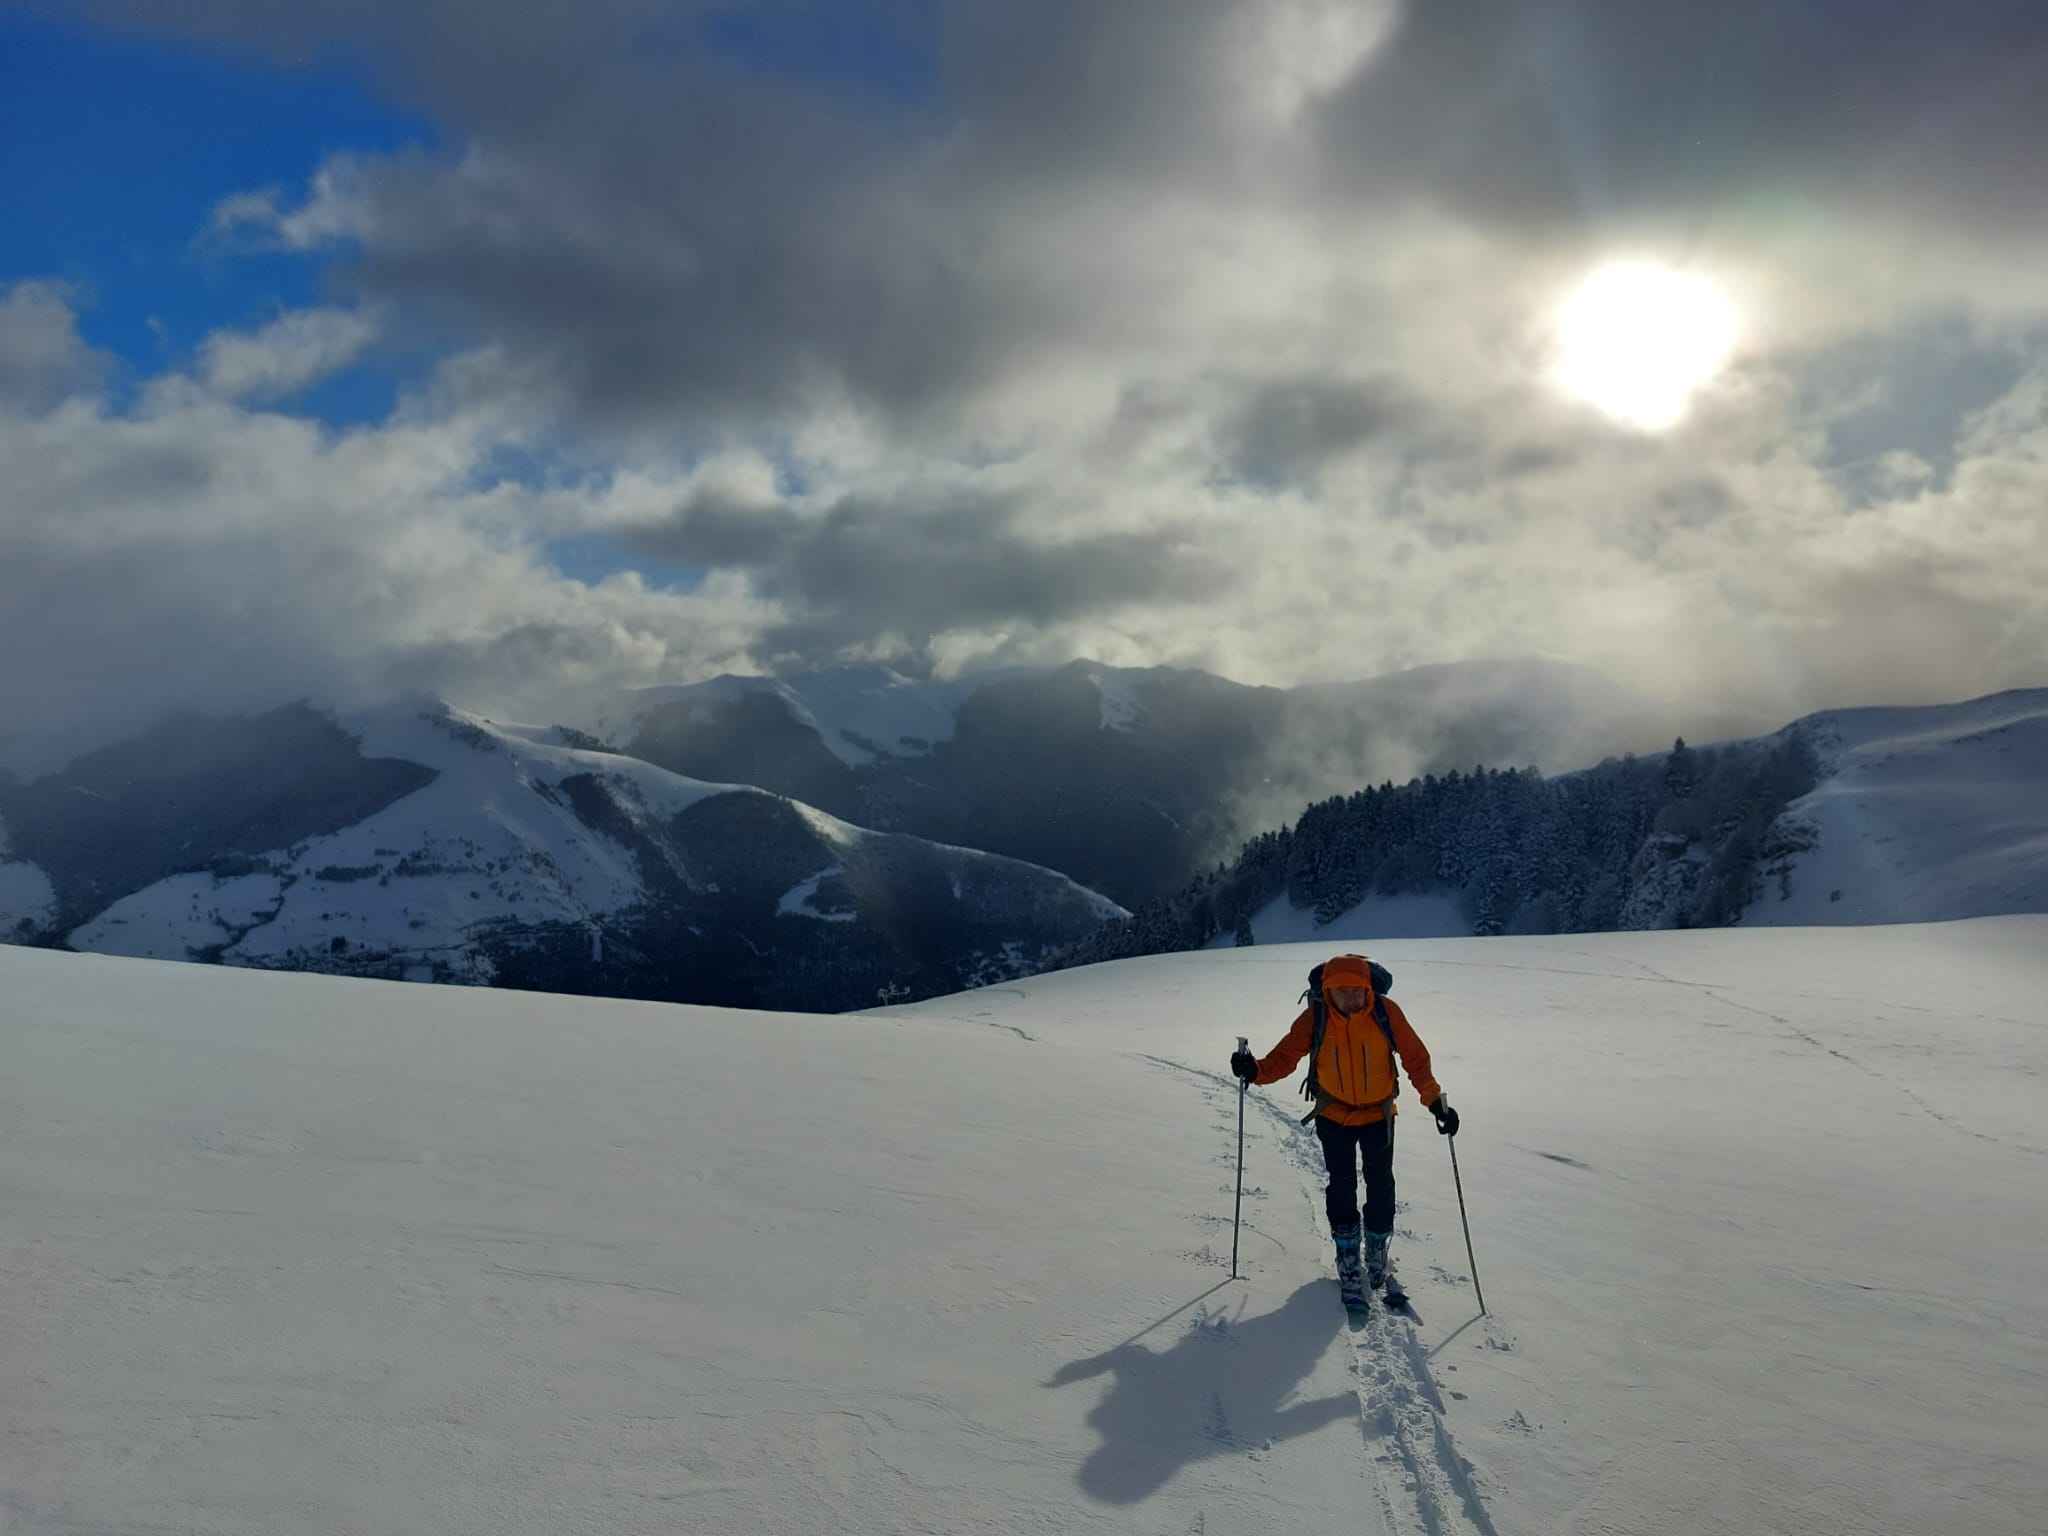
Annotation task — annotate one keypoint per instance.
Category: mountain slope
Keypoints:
(1918, 814)
(855, 714)
(28, 901)
(130, 814)
(1925, 814)
(1761, 1250)
(1126, 779)
(514, 858)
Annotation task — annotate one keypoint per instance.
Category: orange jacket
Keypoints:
(1356, 1068)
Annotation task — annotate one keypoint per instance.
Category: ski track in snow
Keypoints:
(989, 1019)
(1422, 1484)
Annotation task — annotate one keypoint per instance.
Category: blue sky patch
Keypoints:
(119, 149)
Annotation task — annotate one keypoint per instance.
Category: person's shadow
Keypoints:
(1216, 1392)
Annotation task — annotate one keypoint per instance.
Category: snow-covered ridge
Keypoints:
(523, 845)
(861, 713)
(1930, 725)
(490, 839)
(1927, 814)
(1123, 692)
(26, 897)
(858, 712)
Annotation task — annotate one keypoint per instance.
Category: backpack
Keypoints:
(1382, 984)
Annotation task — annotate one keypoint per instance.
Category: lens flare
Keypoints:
(1636, 340)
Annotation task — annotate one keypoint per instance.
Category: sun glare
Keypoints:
(1636, 340)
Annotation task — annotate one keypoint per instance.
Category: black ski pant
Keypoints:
(1345, 1148)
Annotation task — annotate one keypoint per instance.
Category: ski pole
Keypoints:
(1474, 1263)
(1242, 1045)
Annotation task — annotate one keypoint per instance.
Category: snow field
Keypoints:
(1931, 814)
(1761, 1218)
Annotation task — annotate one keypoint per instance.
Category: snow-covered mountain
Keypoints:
(1759, 1217)
(1922, 814)
(449, 847)
(1126, 779)
(857, 714)
(28, 902)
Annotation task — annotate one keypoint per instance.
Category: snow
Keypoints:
(1930, 814)
(797, 900)
(180, 915)
(26, 895)
(1760, 1216)
(1123, 691)
(1924, 814)
(489, 840)
(1375, 918)
(843, 834)
(492, 843)
(1666, 885)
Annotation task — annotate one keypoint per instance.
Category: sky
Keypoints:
(518, 352)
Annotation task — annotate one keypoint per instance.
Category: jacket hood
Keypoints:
(1349, 971)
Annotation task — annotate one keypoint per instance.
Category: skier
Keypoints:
(1352, 1081)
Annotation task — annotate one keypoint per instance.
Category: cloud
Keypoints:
(921, 563)
(184, 552)
(294, 350)
(1211, 333)
(1561, 112)
(744, 245)
(1283, 432)
(743, 239)
(43, 359)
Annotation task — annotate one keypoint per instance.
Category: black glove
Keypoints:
(1245, 1065)
(1446, 1117)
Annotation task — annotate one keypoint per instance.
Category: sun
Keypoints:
(1636, 339)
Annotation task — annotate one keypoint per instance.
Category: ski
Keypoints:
(1394, 1295)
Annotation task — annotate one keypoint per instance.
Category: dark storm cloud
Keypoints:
(919, 567)
(1066, 91)
(639, 300)
(724, 234)
(715, 528)
(1284, 432)
(1087, 327)
(667, 224)
(1595, 109)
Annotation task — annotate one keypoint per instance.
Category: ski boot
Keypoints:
(1379, 1275)
(1350, 1270)
(1376, 1258)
